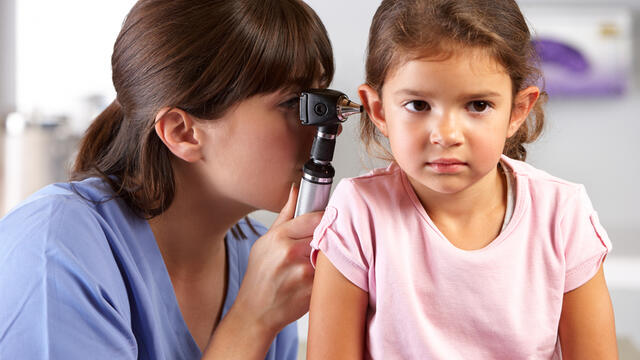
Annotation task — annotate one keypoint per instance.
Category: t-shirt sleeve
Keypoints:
(344, 234)
(586, 242)
(53, 303)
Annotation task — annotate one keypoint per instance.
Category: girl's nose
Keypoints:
(447, 131)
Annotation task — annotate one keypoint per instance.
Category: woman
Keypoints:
(148, 253)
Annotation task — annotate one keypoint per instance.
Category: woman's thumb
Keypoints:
(289, 208)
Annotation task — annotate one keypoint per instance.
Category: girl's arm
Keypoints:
(337, 315)
(587, 329)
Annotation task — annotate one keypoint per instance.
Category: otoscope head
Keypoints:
(325, 109)
(322, 107)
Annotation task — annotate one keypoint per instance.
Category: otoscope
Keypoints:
(326, 109)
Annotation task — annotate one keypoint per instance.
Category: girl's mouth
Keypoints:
(446, 166)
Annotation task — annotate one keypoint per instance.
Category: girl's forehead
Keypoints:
(466, 62)
(461, 71)
(471, 60)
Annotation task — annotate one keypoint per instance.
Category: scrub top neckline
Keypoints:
(162, 279)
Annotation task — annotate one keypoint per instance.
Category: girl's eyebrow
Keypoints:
(474, 95)
(413, 92)
(481, 95)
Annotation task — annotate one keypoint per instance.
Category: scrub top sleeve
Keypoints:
(64, 306)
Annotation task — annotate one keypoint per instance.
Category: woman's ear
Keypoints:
(178, 132)
(523, 103)
(373, 106)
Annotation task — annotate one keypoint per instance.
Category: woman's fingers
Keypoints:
(300, 250)
(302, 226)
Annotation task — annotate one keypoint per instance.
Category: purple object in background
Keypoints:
(561, 54)
(569, 72)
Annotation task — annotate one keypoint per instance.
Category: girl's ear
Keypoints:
(178, 132)
(523, 103)
(373, 106)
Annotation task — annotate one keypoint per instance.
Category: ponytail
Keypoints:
(112, 150)
(99, 136)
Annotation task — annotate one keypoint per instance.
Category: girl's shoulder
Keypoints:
(384, 180)
(537, 180)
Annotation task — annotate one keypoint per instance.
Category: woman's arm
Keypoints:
(337, 315)
(587, 329)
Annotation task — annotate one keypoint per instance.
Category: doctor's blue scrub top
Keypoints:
(81, 277)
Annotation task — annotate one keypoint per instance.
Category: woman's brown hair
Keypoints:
(202, 57)
(403, 30)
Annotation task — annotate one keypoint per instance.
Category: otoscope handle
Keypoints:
(312, 197)
(315, 187)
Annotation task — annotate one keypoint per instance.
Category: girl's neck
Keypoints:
(472, 218)
(191, 232)
(485, 197)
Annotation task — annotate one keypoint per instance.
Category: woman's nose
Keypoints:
(446, 131)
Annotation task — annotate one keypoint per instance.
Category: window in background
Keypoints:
(62, 80)
(63, 52)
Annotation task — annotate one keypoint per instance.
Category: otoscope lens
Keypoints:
(320, 109)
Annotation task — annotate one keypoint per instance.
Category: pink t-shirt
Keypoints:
(431, 300)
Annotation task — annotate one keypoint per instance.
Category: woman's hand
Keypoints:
(276, 288)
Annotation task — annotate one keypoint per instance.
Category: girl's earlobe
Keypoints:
(373, 106)
(178, 132)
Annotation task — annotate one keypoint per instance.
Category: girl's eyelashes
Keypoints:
(476, 106)
(479, 106)
(417, 106)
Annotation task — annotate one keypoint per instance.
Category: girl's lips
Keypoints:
(446, 166)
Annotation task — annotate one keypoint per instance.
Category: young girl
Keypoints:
(147, 255)
(459, 249)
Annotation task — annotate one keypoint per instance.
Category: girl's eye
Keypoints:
(478, 106)
(417, 106)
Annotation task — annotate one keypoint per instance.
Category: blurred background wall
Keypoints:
(55, 77)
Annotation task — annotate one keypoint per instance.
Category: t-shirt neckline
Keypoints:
(518, 209)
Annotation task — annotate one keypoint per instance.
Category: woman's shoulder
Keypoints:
(65, 216)
(59, 264)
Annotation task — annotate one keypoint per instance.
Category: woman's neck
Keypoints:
(191, 232)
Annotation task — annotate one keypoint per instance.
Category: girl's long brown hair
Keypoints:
(202, 57)
(403, 30)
